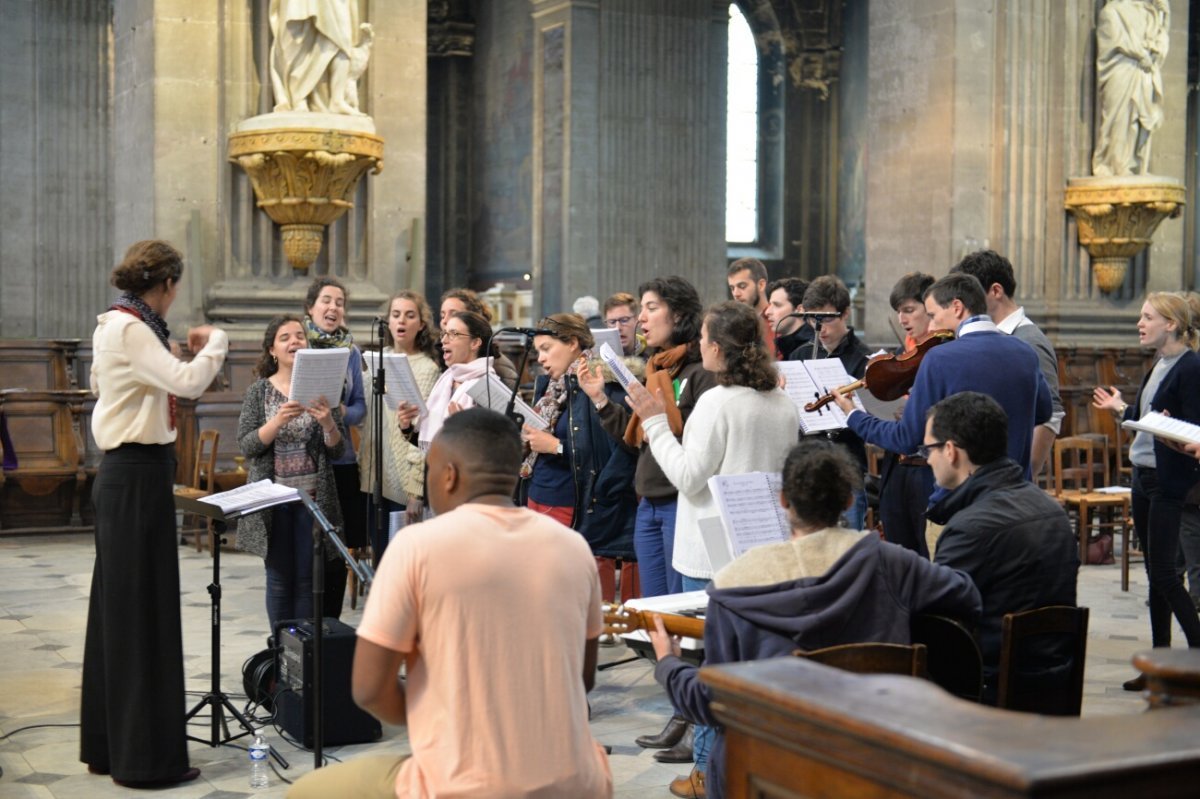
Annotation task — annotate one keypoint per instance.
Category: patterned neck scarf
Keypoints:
(550, 406)
(320, 339)
(135, 305)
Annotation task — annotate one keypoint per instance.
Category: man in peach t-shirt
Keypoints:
(495, 612)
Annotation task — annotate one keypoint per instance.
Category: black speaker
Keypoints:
(344, 721)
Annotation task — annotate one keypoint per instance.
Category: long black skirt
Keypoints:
(132, 716)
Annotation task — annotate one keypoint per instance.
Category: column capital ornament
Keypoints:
(1117, 217)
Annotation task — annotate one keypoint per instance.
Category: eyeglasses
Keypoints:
(620, 321)
(453, 335)
(925, 449)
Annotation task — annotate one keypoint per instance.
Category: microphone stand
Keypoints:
(379, 387)
(527, 344)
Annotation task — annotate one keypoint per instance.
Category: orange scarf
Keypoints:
(660, 376)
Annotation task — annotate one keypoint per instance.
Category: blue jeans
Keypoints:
(701, 735)
(856, 514)
(289, 565)
(654, 544)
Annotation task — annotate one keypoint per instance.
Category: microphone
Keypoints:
(527, 331)
(813, 315)
(379, 325)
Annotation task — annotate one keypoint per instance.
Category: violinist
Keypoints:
(905, 479)
(981, 358)
(836, 339)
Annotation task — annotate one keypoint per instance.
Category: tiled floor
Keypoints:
(43, 603)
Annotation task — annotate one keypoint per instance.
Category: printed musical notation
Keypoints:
(319, 373)
(750, 509)
(400, 383)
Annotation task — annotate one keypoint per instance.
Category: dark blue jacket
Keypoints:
(1178, 395)
(605, 503)
(869, 594)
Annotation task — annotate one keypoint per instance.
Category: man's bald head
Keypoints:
(477, 452)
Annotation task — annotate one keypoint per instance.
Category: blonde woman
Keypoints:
(1162, 475)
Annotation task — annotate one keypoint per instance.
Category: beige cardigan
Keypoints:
(403, 462)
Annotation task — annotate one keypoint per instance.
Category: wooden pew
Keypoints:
(46, 436)
(799, 729)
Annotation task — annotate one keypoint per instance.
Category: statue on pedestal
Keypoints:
(315, 62)
(1132, 37)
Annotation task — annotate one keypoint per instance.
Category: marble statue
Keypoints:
(315, 63)
(1131, 45)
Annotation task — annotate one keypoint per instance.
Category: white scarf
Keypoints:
(444, 392)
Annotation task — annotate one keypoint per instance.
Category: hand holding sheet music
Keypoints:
(1163, 426)
(319, 373)
(400, 384)
(618, 367)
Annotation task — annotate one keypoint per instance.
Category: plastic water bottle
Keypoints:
(259, 752)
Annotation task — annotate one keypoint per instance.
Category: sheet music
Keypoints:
(252, 496)
(498, 401)
(618, 367)
(830, 373)
(400, 384)
(801, 390)
(1167, 427)
(319, 373)
(607, 335)
(750, 509)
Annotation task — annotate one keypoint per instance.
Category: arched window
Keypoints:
(742, 121)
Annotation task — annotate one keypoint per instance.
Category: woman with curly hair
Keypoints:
(743, 424)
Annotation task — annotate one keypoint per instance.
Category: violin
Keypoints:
(889, 377)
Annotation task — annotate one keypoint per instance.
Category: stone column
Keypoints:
(628, 170)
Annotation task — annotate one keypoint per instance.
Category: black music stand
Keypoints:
(215, 697)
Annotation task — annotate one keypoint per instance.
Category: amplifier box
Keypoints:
(344, 722)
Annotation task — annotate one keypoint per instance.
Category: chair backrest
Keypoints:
(1057, 636)
(1075, 461)
(206, 460)
(953, 660)
(871, 658)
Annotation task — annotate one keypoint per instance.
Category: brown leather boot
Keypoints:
(670, 735)
(691, 786)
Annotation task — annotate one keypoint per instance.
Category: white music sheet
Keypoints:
(400, 384)
(750, 509)
(319, 373)
(492, 393)
(802, 389)
(1166, 427)
(609, 336)
(618, 367)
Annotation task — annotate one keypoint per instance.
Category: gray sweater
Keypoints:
(255, 530)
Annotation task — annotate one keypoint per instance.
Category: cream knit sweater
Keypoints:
(732, 430)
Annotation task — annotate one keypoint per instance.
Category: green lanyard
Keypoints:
(678, 385)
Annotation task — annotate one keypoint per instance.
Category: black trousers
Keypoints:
(132, 714)
(903, 497)
(354, 534)
(1156, 518)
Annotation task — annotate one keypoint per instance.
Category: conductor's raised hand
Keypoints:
(197, 337)
(645, 404)
(591, 380)
(406, 414)
(664, 644)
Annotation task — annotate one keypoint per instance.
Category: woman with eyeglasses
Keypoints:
(574, 471)
(1163, 475)
(410, 332)
(466, 337)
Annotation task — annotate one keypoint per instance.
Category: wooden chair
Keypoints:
(1075, 472)
(871, 658)
(204, 469)
(953, 659)
(1057, 694)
